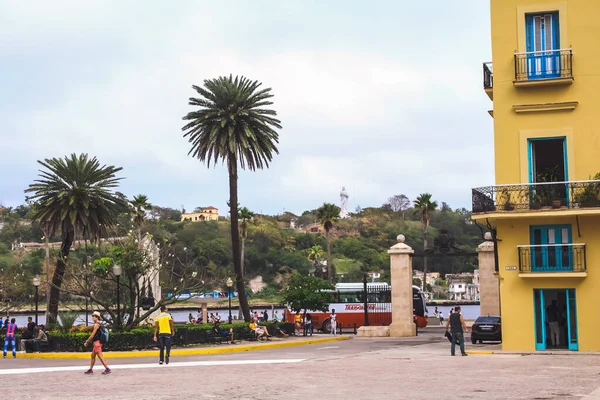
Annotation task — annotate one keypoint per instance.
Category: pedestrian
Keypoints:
(275, 317)
(211, 318)
(333, 319)
(199, 317)
(11, 332)
(456, 323)
(94, 338)
(265, 316)
(166, 329)
(552, 317)
(298, 322)
(191, 319)
(441, 317)
(308, 324)
(30, 327)
(436, 312)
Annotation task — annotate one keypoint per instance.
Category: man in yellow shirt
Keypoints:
(165, 328)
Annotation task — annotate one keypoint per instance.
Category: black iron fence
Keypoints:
(547, 64)
(488, 76)
(536, 196)
(552, 258)
(377, 305)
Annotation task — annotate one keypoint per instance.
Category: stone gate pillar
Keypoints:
(489, 290)
(402, 298)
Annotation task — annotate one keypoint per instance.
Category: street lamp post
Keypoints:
(36, 283)
(117, 272)
(229, 285)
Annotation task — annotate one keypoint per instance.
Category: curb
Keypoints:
(184, 352)
(476, 352)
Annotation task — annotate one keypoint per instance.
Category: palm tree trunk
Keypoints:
(242, 256)
(57, 278)
(235, 236)
(329, 262)
(424, 283)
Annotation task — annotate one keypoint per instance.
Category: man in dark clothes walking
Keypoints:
(456, 323)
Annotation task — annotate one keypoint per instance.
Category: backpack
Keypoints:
(103, 334)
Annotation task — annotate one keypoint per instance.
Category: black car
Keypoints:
(487, 328)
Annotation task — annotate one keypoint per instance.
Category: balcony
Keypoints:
(551, 67)
(488, 79)
(552, 260)
(537, 197)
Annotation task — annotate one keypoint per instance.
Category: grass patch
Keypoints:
(346, 265)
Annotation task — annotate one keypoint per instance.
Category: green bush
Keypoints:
(142, 338)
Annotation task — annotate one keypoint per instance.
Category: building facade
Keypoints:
(544, 208)
(203, 214)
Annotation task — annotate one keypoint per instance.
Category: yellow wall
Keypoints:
(579, 31)
(516, 293)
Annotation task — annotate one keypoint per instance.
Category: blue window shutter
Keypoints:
(556, 33)
(529, 31)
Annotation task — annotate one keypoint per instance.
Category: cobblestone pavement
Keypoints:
(415, 368)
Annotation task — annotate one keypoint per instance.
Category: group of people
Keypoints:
(32, 333)
(308, 324)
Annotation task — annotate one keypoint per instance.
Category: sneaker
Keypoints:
(106, 371)
(452, 355)
(160, 363)
(89, 372)
(167, 359)
(464, 354)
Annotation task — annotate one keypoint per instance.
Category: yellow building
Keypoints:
(205, 214)
(545, 208)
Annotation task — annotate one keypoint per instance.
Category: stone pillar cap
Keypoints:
(400, 247)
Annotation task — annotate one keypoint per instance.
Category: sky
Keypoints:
(381, 97)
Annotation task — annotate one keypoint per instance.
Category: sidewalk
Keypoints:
(209, 349)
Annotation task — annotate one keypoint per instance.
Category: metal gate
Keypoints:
(377, 303)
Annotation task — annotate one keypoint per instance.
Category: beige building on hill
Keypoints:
(209, 213)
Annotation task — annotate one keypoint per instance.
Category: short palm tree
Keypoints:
(232, 125)
(139, 206)
(245, 215)
(327, 214)
(424, 205)
(315, 255)
(74, 196)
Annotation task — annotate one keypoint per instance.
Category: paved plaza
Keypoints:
(411, 368)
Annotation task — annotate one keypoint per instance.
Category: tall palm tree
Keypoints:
(424, 205)
(245, 215)
(327, 214)
(139, 206)
(231, 125)
(315, 255)
(73, 195)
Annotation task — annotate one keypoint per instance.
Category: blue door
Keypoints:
(551, 249)
(566, 327)
(543, 45)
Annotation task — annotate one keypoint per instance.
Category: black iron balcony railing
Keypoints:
(488, 76)
(536, 196)
(552, 258)
(540, 65)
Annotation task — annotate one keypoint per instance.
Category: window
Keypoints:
(543, 45)
(548, 163)
(548, 252)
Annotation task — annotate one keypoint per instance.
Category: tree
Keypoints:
(245, 215)
(315, 255)
(424, 205)
(327, 214)
(139, 206)
(308, 293)
(399, 202)
(74, 196)
(231, 125)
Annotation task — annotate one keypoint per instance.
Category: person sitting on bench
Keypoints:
(260, 330)
(219, 332)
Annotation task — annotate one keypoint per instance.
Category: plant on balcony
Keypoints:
(536, 202)
(549, 195)
(590, 196)
(505, 200)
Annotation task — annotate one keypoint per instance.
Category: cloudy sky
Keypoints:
(382, 97)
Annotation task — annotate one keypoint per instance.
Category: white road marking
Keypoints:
(328, 347)
(82, 368)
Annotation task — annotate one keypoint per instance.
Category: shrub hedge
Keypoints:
(142, 338)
